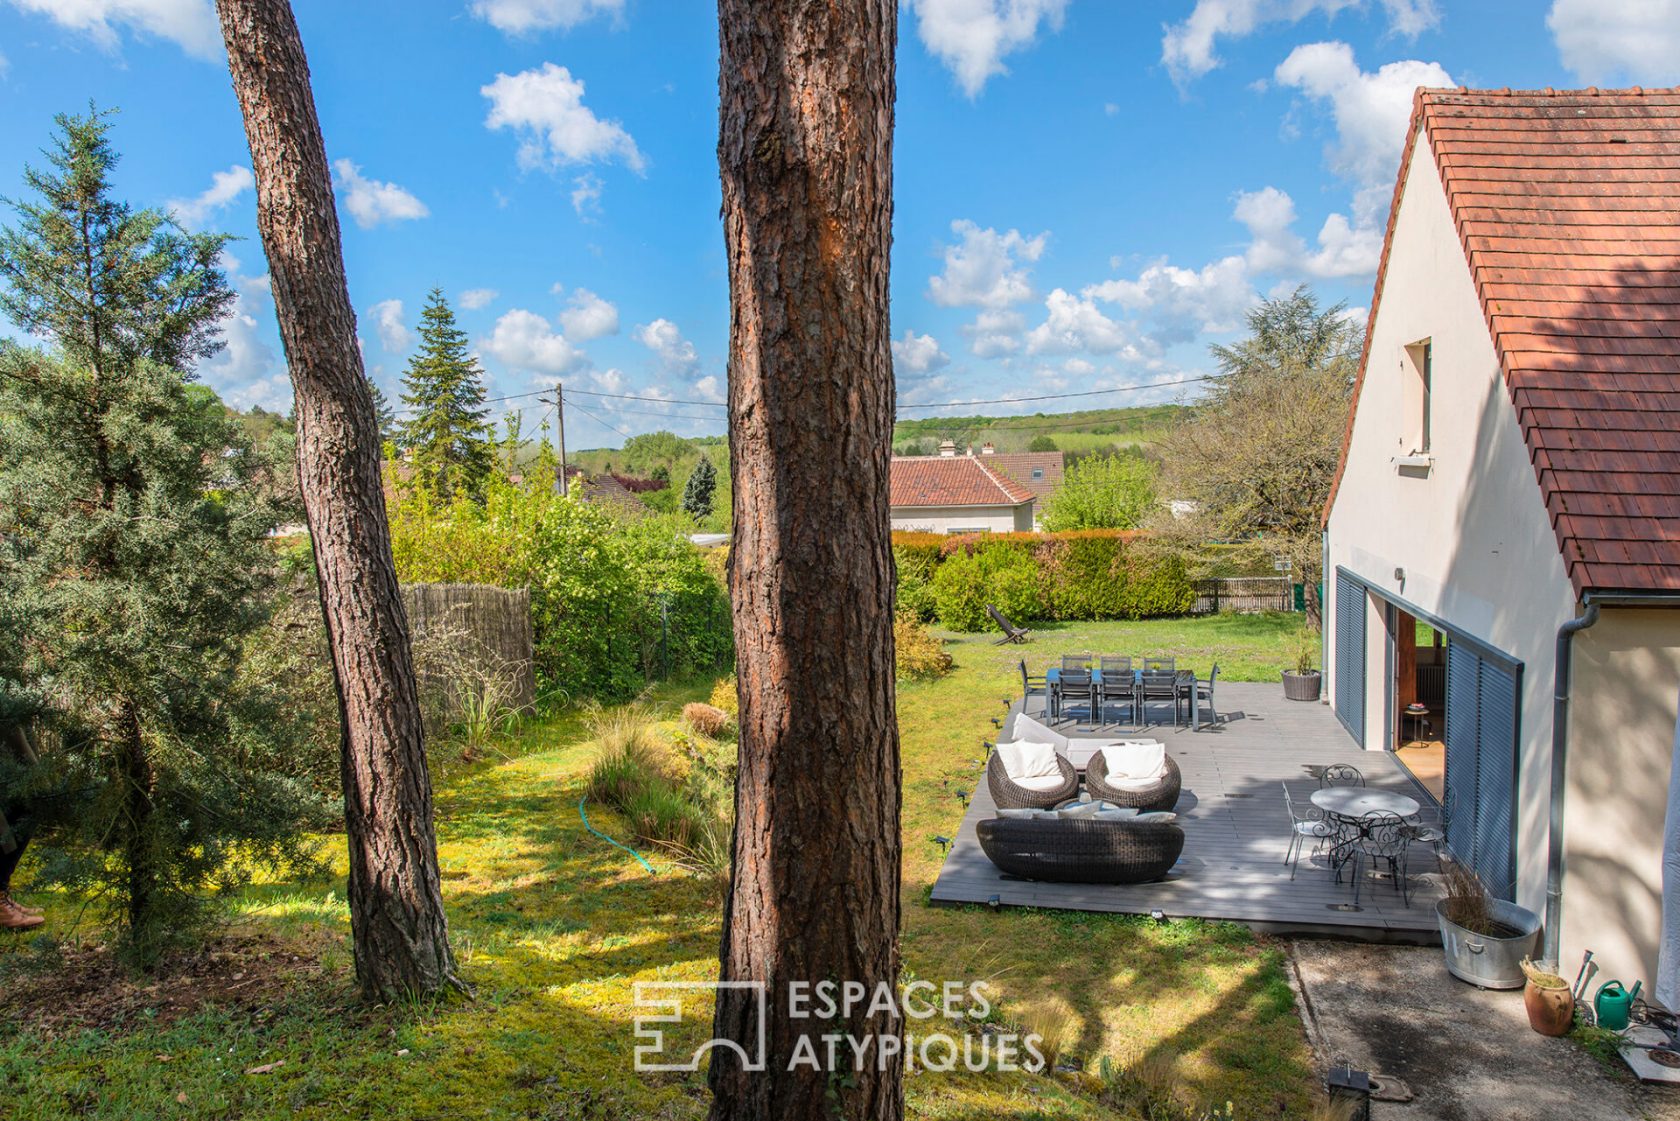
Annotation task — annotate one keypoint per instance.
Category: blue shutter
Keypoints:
(1496, 781)
(1350, 656)
(1463, 700)
(1482, 767)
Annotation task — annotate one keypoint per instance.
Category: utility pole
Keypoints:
(560, 430)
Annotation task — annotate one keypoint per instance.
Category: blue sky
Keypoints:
(1088, 192)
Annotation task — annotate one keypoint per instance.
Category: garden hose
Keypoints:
(585, 816)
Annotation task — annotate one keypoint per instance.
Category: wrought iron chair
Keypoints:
(1340, 774)
(1306, 823)
(1382, 838)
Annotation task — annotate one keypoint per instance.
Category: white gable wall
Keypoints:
(1472, 535)
(949, 519)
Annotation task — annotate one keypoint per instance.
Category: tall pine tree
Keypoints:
(446, 434)
(133, 558)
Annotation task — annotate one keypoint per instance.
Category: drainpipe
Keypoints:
(1560, 749)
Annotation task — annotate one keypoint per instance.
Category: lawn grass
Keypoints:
(553, 925)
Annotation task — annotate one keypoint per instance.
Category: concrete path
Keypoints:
(1465, 1054)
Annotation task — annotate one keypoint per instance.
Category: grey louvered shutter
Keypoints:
(1463, 724)
(1350, 656)
(1496, 780)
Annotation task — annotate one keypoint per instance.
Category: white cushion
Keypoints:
(1111, 811)
(1160, 818)
(1039, 782)
(1046, 815)
(1134, 764)
(1025, 759)
(1026, 728)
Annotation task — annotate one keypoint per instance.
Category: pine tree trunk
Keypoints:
(396, 907)
(805, 152)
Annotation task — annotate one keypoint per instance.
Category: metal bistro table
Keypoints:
(1350, 804)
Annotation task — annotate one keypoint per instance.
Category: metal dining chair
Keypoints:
(1340, 774)
(1166, 665)
(1203, 691)
(1118, 682)
(1159, 685)
(1033, 687)
(1382, 839)
(1306, 823)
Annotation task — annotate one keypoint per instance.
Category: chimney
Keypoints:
(948, 448)
(987, 449)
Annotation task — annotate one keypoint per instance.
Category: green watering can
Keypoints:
(1613, 1004)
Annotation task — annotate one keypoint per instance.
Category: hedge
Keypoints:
(1080, 574)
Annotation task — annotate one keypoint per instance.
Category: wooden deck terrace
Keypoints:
(1236, 828)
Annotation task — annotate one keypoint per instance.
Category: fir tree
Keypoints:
(446, 434)
(697, 494)
(383, 414)
(133, 559)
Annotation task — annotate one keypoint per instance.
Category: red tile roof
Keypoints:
(952, 480)
(1568, 207)
(1020, 465)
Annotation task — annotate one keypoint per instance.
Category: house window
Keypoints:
(1038, 472)
(1416, 374)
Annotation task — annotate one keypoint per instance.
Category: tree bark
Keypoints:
(396, 906)
(805, 154)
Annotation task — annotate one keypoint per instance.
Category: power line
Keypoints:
(1060, 396)
(598, 420)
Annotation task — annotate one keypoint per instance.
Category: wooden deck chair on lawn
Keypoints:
(1011, 633)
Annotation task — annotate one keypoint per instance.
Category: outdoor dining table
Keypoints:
(1357, 801)
(1184, 682)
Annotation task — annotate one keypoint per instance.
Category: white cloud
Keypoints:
(370, 201)
(709, 388)
(526, 341)
(474, 298)
(1345, 249)
(984, 269)
(1605, 41)
(993, 333)
(665, 340)
(1188, 48)
(1075, 324)
(1371, 110)
(247, 371)
(191, 24)
(917, 354)
(225, 186)
(1269, 215)
(588, 316)
(1183, 303)
(545, 108)
(393, 333)
(521, 17)
(586, 195)
(971, 36)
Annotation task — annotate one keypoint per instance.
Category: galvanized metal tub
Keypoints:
(1484, 960)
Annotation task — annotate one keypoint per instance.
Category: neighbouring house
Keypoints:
(1505, 521)
(951, 493)
(1039, 472)
(603, 488)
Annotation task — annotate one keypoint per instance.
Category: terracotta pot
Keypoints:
(1549, 1010)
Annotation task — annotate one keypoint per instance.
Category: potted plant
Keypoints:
(1303, 682)
(1484, 939)
(1547, 999)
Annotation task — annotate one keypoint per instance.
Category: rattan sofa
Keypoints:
(1162, 795)
(1009, 795)
(1080, 850)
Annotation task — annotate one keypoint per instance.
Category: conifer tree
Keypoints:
(697, 494)
(383, 414)
(133, 561)
(446, 433)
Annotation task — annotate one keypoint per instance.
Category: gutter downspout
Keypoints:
(1560, 749)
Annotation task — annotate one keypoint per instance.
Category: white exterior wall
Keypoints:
(945, 519)
(1473, 536)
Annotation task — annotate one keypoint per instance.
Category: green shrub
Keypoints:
(660, 813)
(1157, 585)
(726, 697)
(967, 581)
(1084, 575)
(915, 566)
(920, 654)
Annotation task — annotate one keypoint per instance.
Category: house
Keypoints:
(603, 488)
(951, 493)
(1039, 472)
(1505, 520)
